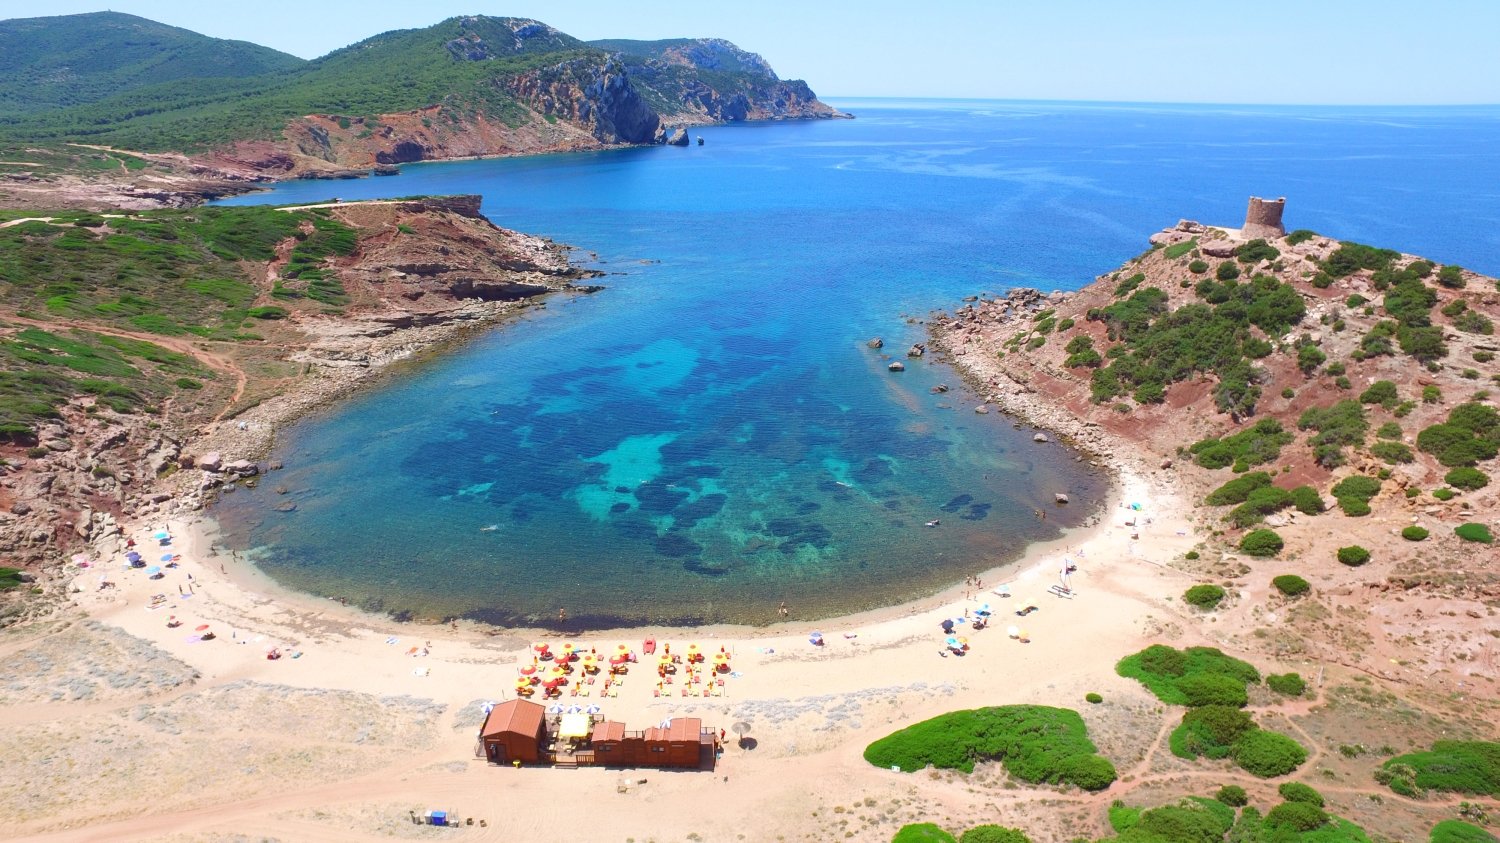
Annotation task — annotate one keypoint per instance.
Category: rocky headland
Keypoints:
(1217, 363)
(421, 274)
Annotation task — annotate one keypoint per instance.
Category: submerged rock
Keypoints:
(877, 342)
(1040, 437)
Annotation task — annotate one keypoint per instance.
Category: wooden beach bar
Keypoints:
(681, 743)
(514, 731)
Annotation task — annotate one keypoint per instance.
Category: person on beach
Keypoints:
(782, 609)
(562, 615)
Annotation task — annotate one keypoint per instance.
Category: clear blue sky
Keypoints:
(1240, 51)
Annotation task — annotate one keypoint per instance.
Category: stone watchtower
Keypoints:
(1263, 218)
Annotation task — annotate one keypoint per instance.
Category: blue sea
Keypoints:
(710, 435)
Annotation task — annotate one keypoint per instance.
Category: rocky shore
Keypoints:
(428, 274)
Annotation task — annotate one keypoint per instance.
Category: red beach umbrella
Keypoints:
(202, 628)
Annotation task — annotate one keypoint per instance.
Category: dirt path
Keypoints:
(216, 362)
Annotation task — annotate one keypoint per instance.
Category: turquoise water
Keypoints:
(710, 435)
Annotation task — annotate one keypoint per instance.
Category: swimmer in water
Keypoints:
(933, 523)
(490, 529)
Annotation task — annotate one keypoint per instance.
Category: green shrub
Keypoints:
(1202, 689)
(1309, 358)
(1262, 543)
(1468, 479)
(1354, 493)
(1472, 532)
(1190, 555)
(991, 833)
(1209, 731)
(1191, 820)
(1291, 585)
(1287, 684)
(1451, 276)
(1238, 490)
(1414, 533)
(1389, 430)
(1353, 555)
(1093, 698)
(1458, 831)
(1301, 235)
(1198, 267)
(1227, 271)
(188, 383)
(1035, 744)
(1392, 453)
(1444, 494)
(1163, 670)
(1299, 792)
(268, 312)
(1256, 445)
(1307, 500)
(1338, 427)
(1204, 596)
(1256, 251)
(1452, 766)
(922, 833)
(1233, 795)
(1380, 392)
(1296, 816)
(1268, 754)
(1262, 502)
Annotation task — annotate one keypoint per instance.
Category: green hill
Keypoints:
(510, 70)
(455, 62)
(58, 62)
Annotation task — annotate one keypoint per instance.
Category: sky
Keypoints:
(1353, 52)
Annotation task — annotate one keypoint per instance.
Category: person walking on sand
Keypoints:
(782, 609)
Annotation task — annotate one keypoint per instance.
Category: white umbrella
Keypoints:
(1013, 632)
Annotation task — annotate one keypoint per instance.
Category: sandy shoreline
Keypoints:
(812, 709)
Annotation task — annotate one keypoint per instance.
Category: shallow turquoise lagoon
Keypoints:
(710, 435)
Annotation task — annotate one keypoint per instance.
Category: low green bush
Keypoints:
(1204, 596)
(1296, 816)
(1291, 585)
(1191, 820)
(1227, 271)
(1353, 555)
(1238, 490)
(1471, 767)
(1444, 494)
(1262, 543)
(1414, 533)
(922, 833)
(1209, 731)
(1093, 698)
(1393, 453)
(1256, 445)
(1287, 684)
(1233, 795)
(1035, 744)
(1198, 267)
(1354, 493)
(1307, 500)
(1472, 532)
(1458, 831)
(1468, 479)
(1164, 670)
(1299, 792)
(990, 833)
(1268, 754)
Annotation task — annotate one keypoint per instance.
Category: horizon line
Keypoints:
(1213, 103)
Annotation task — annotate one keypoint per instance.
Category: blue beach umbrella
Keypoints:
(132, 556)
(952, 643)
(154, 569)
(167, 557)
(161, 534)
